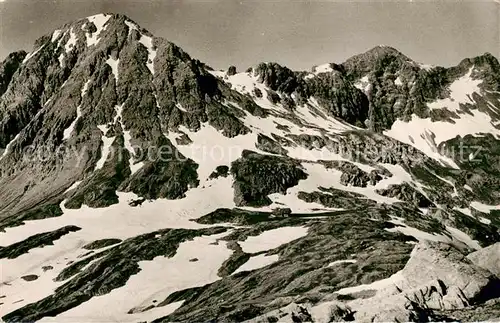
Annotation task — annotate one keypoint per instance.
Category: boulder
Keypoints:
(487, 258)
(439, 261)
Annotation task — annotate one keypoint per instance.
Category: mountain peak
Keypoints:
(384, 50)
(374, 58)
(378, 53)
(93, 27)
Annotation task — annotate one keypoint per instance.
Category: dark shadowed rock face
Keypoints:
(9, 67)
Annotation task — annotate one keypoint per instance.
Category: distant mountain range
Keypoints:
(139, 184)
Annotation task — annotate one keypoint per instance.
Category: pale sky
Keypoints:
(296, 33)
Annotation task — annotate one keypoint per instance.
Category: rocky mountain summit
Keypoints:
(138, 184)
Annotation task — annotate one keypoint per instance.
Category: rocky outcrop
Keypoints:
(36, 241)
(220, 171)
(237, 216)
(340, 97)
(37, 213)
(269, 145)
(482, 171)
(335, 198)
(407, 193)
(29, 278)
(237, 259)
(279, 78)
(487, 258)
(436, 279)
(487, 312)
(434, 260)
(352, 175)
(256, 176)
(9, 67)
(98, 244)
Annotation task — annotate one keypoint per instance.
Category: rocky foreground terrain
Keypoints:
(137, 184)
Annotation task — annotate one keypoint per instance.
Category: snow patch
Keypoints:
(395, 279)
(484, 207)
(451, 236)
(61, 60)
(85, 88)
(32, 54)
(70, 44)
(68, 131)
(363, 84)
(330, 178)
(127, 141)
(134, 167)
(17, 292)
(72, 187)
(7, 148)
(131, 26)
(465, 211)
(485, 220)
(455, 192)
(461, 91)
(248, 83)
(426, 67)
(99, 21)
(55, 35)
(120, 221)
(257, 262)
(427, 135)
(180, 107)
(148, 43)
(398, 81)
(339, 262)
(309, 76)
(272, 239)
(467, 187)
(464, 237)
(320, 176)
(323, 68)
(210, 148)
(106, 146)
(113, 63)
(324, 122)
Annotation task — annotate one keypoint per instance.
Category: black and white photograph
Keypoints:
(293, 161)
